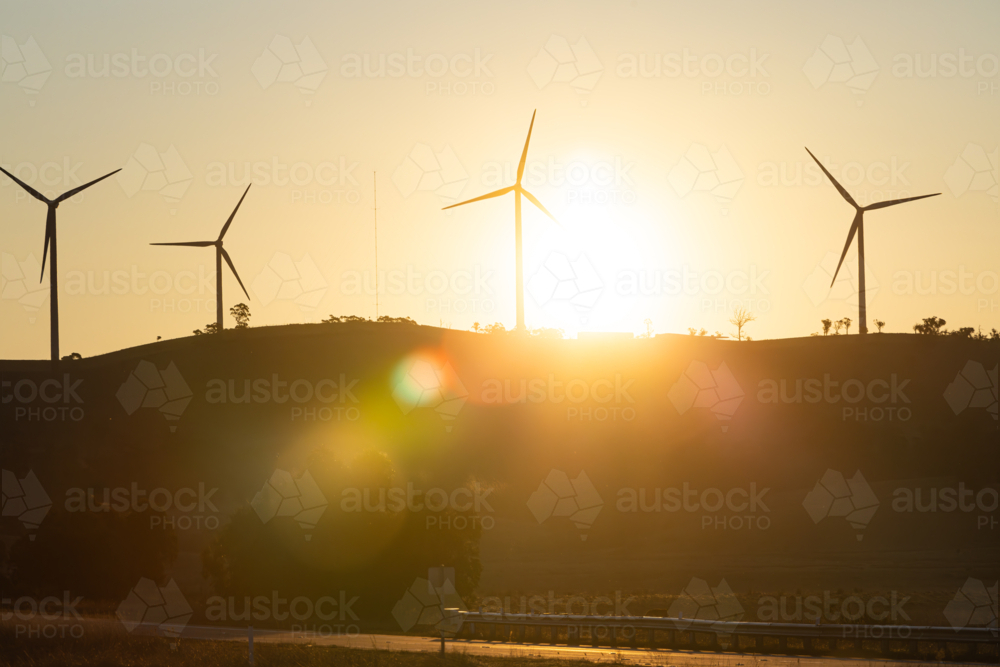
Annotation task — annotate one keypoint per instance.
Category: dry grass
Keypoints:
(116, 650)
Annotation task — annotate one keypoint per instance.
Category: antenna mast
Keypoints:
(375, 216)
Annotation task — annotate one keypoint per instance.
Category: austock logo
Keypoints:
(425, 170)
(862, 401)
(182, 75)
(300, 392)
(982, 503)
(836, 62)
(566, 605)
(974, 605)
(559, 496)
(701, 387)
(148, 170)
(975, 170)
(47, 618)
(732, 74)
(973, 387)
(560, 62)
(700, 601)
(192, 508)
(147, 387)
(426, 383)
(423, 603)
(19, 284)
(300, 608)
(832, 609)
(577, 392)
(701, 170)
(62, 402)
(561, 279)
(284, 62)
(435, 501)
(835, 496)
(745, 509)
(284, 496)
(161, 610)
(23, 64)
(285, 279)
(819, 290)
(24, 499)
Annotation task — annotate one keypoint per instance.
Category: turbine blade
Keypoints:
(225, 227)
(850, 237)
(195, 244)
(893, 202)
(50, 226)
(66, 195)
(30, 190)
(524, 153)
(840, 188)
(491, 195)
(534, 200)
(225, 256)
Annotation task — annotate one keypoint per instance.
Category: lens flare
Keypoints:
(426, 379)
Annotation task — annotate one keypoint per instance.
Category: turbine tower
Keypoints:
(220, 254)
(858, 227)
(50, 243)
(518, 191)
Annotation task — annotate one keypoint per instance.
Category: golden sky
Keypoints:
(669, 144)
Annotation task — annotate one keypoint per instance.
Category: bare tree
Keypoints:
(879, 324)
(741, 317)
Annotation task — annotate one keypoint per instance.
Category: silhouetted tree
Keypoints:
(210, 328)
(241, 313)
(396, 320)
(495, 328)
(72, 356)
(879, 324)
(475, 327)
(963, 332)
(826, 326)
(334, 319)
(847, 324)
(932, 326)
(837, 326)
(741, 317)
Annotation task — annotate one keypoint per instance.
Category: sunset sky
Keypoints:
(669, 143)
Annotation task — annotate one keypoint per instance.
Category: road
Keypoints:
(659, 658)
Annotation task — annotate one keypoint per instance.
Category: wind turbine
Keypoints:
(220, 254)
(858, 227)
(518, 191)
(50, 242)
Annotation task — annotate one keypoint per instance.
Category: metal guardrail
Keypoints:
(681, 633)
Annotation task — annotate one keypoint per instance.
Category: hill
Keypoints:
(822, 463)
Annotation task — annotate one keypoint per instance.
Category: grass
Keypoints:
(117, 650)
